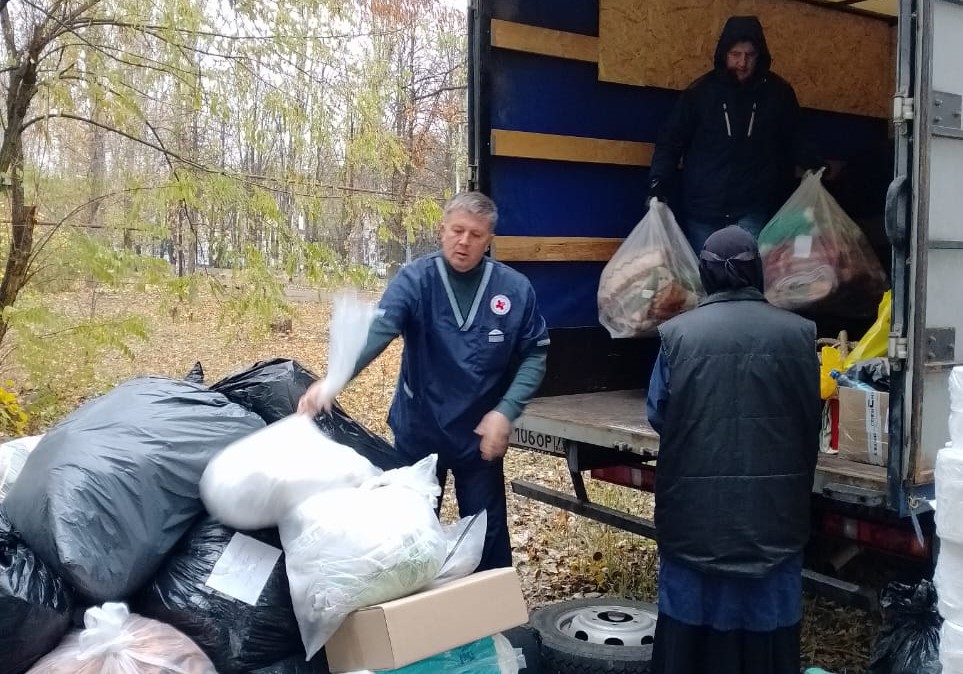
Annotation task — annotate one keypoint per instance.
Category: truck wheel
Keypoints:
(584, 636)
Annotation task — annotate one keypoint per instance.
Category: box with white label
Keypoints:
(864, 426)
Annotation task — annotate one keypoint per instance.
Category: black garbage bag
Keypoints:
(235, 635)
(110, 490)
(196, 374)
(35, 604)
(269, 388)
(874, 371)
(298, 664)
(340, 427)
(909, 639)
(272, 389)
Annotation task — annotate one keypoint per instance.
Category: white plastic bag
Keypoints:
(653, 276)
(114, 641)
(815, 257)
(350, 319)
(465, 541)
(255, 481)
(351, 548)
(13, 456)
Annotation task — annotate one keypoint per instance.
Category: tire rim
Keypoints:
(608, 625)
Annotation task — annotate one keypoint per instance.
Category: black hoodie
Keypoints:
(739, 143)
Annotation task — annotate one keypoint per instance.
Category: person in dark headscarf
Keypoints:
(734, 396)
(737, 132)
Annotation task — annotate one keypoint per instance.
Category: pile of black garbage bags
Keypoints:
(107, 509)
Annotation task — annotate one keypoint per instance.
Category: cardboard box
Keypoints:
(863, 426)
(400, 632)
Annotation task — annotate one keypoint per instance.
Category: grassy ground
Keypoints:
(558, 555)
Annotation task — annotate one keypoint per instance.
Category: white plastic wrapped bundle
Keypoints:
(13, 457)
(351, 548)
(255, 481)
(949, 494)
(956, 406)
(948, 579)
(951, 647)
(114, 641)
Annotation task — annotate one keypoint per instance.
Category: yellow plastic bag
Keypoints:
(876, 340)
(829, 359)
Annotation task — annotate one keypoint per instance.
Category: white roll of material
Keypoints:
(948, 579)
(951, 647)
(949, 494)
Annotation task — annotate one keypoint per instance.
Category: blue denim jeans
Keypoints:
(697, 231)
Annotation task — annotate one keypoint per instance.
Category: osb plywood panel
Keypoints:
(570, 148)
(835, 61)
(554, 248)
(517, 36)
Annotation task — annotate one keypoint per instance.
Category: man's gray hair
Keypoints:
(475, 203)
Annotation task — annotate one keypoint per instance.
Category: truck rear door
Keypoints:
(925, 223)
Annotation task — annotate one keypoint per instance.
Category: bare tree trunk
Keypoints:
(23, 220)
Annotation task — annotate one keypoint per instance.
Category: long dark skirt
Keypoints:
(684, 649)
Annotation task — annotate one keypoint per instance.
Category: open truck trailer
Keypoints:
(566, 100)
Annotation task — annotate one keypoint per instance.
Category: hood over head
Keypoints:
(743, 29)
(730, 260)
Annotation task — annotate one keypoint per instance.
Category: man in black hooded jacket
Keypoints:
(736, 131)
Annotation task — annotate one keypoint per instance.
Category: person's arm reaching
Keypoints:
(496, 426)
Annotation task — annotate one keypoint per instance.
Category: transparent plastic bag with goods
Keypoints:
(816, 258)
(653, 276)
(351, 548)
(256, 480)
(115, 641)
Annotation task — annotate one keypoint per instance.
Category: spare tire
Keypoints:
(596, 635)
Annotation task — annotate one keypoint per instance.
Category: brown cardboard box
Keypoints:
(863, 426)
(397, 633)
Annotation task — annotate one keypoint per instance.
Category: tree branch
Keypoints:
(8, 36)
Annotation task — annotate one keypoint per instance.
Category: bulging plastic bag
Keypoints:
(909, 638)
(239, 627)
(35, 604)
(351, 548)
(259, 478)
(816, 258)
(269, 388)
(13, 457)
(114, 641)
(110, 490)
(653, 276)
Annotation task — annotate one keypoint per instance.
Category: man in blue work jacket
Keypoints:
(474, 355)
